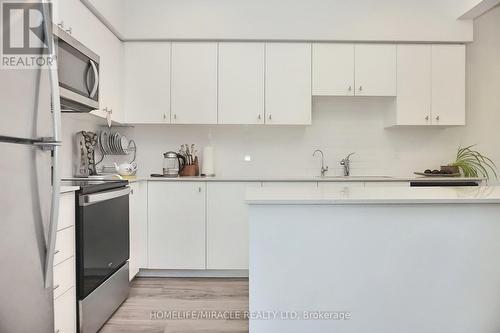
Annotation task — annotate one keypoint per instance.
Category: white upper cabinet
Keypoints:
(333, 69)
(241, 83)
(147, 82)
(375, 70)
(448, 84)
(414, 82)
(431, 86)
(194, 83)
(288, 84)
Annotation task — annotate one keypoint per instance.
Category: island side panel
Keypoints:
(396, 268)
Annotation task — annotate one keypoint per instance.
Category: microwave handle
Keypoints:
(96, 79)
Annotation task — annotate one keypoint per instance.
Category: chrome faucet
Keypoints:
(346, 163)
(324, 168)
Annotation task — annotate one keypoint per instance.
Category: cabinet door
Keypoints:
(65, 312)
(333, 69)
(288, 84)
(111, 53)
(194, 83)
(414, 82)
(241, 83)
(375, 70)
(227, 225)
(147, 82)
(448, 84)
(338, 186)
(291, 185)
(138, 228)
(176, 225)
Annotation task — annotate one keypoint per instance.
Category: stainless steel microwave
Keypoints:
(78, 69)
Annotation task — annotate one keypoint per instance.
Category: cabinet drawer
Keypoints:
(65, 312)
(65, 245)
(66, 211)
(64, 277)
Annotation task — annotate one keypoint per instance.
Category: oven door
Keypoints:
(78, 69)
(102, 237)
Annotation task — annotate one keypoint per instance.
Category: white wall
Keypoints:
(342, 125)
(362, 20)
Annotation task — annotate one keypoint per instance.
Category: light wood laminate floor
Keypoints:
(153, 299)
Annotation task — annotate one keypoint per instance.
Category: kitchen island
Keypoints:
(384, 259)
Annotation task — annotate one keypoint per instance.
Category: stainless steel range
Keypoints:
(102, 249)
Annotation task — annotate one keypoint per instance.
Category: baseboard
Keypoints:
(216, 273)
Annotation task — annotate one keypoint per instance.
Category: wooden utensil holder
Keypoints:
(190, 171)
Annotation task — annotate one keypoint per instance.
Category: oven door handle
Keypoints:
(90, 199)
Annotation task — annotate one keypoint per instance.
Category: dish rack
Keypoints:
(112, 143)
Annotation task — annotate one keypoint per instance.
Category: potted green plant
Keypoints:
(472, 163)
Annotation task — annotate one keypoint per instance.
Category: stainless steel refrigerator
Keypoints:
(29, 193)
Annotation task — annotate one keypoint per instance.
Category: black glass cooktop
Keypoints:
(93, 185)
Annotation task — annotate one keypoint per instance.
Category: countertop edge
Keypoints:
(67, 189)
(333, 202)
(310, 180)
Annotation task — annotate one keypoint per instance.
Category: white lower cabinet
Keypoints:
(310, 185)
(138, 228)
(65, 312)
(64, 267)
(336, 186)
(176, 225)
(227, 225)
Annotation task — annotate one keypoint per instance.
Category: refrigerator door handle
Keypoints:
(54, 145)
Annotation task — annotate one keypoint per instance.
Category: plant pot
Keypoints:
(450, 169)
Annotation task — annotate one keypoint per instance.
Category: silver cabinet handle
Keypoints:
(69, 30)
(56, 286)
(350, 88)
(56, 252)
(57, 331)
(96, 79)
(61, 24)
(426, 117)
(270, 117)
(437, 117)
(259, 117)
(360, 88)
(175, 116)
(199, 189)
(164, 116)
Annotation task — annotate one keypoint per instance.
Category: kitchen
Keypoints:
(319, 108)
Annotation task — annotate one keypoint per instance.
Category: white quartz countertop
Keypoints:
(372, 195)
(311, 179)
(65, 189)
